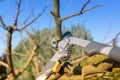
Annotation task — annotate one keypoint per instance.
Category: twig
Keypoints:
(33, 6)
(17, 14)
(114, 40)
(30, 37)
(33, 20)
(78, 60)
(3, 24)
(82, 11)
(19, 54)
(92, 8)
(45, 38)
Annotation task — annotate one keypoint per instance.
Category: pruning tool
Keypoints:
(64, 48)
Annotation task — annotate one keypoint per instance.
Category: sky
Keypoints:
(103, 22)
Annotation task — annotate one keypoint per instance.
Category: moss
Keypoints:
(93, 59)
(113, 74)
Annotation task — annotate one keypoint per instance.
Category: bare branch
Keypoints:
(25, 48)
(114, 40)
(83, 7)
(29, 60)
(45, 38)
(31, 37)
(33, 6)
(82, 11)
(92, 8)
(36, 64)
(19, 54)
(17, 14)
(31, 54)
(33, 20)
(4, 64)
(79, 60)
(2, 23)
(117, 35)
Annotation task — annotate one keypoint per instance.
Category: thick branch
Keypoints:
(17, 14)
(28, 61)
(8, 49)
(3, 24)
(37, 67)
(56, 13)
(9, 52)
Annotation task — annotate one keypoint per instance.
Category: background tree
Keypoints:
(12, 72)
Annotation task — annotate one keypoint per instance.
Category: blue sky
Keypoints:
(100, 21)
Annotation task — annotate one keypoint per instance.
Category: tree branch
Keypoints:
(31, 54)
(45, 38)
(19, 54)
(2, 23)
(36, 64)
(92, 8)
(56, 14)
(32, 40)
(114, 40)
(25, 48)
(4, 64)
(9, 52)
(17, 14)
(33, 5)
(79, 60)
(82, 11)
(33, 20)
